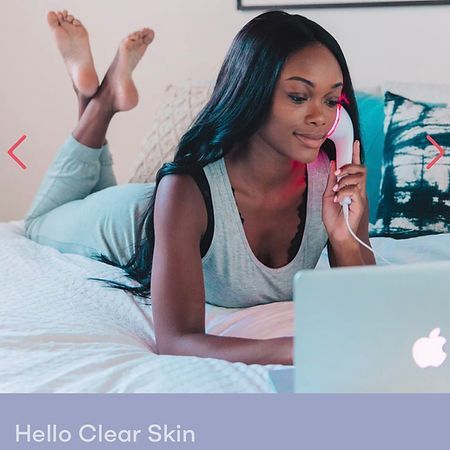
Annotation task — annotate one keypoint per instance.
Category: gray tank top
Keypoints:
(233, 276)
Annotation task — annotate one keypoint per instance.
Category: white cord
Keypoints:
(345, 204)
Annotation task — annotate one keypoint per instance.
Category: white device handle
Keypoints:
(342, 135)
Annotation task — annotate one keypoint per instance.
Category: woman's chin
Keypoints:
(306, 153)
(307, 156)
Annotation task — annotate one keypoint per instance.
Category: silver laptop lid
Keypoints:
(355, 329)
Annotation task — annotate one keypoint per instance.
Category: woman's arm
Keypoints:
(177, 286)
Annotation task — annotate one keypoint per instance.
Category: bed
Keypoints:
(60, 332)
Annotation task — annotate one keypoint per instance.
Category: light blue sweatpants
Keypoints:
(79, 208)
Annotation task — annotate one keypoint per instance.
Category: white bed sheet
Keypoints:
(60, 332)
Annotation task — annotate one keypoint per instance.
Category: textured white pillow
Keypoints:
(181, 105)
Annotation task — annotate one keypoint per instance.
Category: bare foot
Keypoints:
(118, 78)
(73, 43)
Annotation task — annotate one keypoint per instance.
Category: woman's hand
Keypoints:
(353, 185)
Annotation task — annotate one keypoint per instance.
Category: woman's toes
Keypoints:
(76, 22)
(148, 35)
(69, 18)
(60, 17)
(64, 13)
(52, 19)
(134, 35)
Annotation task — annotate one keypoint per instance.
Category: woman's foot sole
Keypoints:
(72, 41)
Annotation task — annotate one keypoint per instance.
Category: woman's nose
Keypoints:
(317, 119)
(316, 114)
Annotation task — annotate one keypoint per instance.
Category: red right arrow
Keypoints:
(436, 158)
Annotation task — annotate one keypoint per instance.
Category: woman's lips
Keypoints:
(308, 142)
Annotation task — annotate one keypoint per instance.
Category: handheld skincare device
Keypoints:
(342, 135)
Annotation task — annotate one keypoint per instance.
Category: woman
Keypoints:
(250, 198)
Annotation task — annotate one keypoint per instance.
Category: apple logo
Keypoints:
(428, 352)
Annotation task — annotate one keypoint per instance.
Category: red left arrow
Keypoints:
(10, 152)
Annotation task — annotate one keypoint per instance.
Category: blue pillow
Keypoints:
(371, 119)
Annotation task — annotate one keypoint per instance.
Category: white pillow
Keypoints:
(181, 105)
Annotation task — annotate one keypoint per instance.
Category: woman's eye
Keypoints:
(297, 99)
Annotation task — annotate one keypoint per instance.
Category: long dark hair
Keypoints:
(240, 103)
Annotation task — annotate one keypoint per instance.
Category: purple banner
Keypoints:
(224, 422)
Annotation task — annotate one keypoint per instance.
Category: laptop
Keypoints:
(370, 329)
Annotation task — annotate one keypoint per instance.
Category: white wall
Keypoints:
(192, 37)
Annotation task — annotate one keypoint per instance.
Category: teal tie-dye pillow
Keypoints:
(414, 200)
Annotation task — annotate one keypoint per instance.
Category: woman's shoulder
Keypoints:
(182, 184)
(179, 196)
(181, 188)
